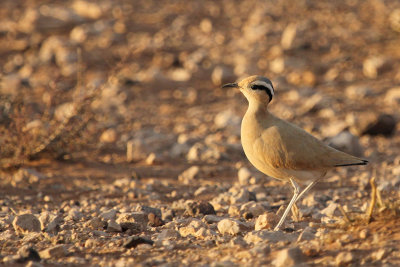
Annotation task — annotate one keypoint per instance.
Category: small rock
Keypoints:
(154, 220)
(373, 66)
(109, 215)
(113, 226)
(288, 36)
(27, 253)
(197, 208)
(54, 252)
(253, 208)
(74, 214)
(289, 257)
(392, 96)
(95, 223)
(134, 228)
(189, 175)
(306, 235)
(27, 175)
(54, 225)
(244, 176)
(134, 241)
(232, 227)
(168, 234)
(139, 217)
(344, 258)
(148, 210)
(264, 236)
(90, 10)
(385, 125)
(109, 136)
(266, 221)
(379, 254)
(346, 142)
(26, 223)
(394, 20)
(212, 219)
(332, 210)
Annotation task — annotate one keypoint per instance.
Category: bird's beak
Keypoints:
(235, 85)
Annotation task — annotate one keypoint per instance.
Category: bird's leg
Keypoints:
(295, 209)
(305, 190)
(296, 190)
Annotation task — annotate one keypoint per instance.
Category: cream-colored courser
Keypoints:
(280, 149)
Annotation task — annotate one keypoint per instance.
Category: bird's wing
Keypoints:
(287, 146)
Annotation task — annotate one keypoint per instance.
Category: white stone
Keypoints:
(232, 227)
(266, 221)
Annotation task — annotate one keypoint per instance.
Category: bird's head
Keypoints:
(255, 88)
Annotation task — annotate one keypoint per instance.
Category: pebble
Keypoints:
(54, 252)
(189, 175)
(306, 235)
(392, 96)
(27, 253)
(134, 241)
(154, 220)
(266, 221)
(232, 227)
(344, 258)
(26, 223)
(210, 219)
(197, 208)
(244, 176)
(332, 210)
(54, 225)
(373, 66)
(109, 215)
(113, 226)
(253, 208)
(289, 257)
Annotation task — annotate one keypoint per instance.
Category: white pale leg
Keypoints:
(296, 190)
(295, 198)
(306, 189)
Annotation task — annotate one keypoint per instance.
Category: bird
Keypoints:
(281, 149)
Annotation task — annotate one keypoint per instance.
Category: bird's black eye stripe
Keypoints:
(258, 87)
(262, 87)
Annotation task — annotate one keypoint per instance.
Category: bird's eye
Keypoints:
(258, 87)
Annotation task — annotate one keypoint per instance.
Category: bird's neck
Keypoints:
(257, 108)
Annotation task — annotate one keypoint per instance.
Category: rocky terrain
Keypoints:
(119, 147)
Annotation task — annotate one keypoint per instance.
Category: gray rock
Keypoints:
(74, 214)
(113, 226)
(232, 227)
(149, 210)
(54, 225)
(109, 215)
(168, 234)
(212, 219)
(253, 208)
(346, 142)
(26, 223)
(289, 257)
(54, 252)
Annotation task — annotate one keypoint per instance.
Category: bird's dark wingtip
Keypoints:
(364, 162)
